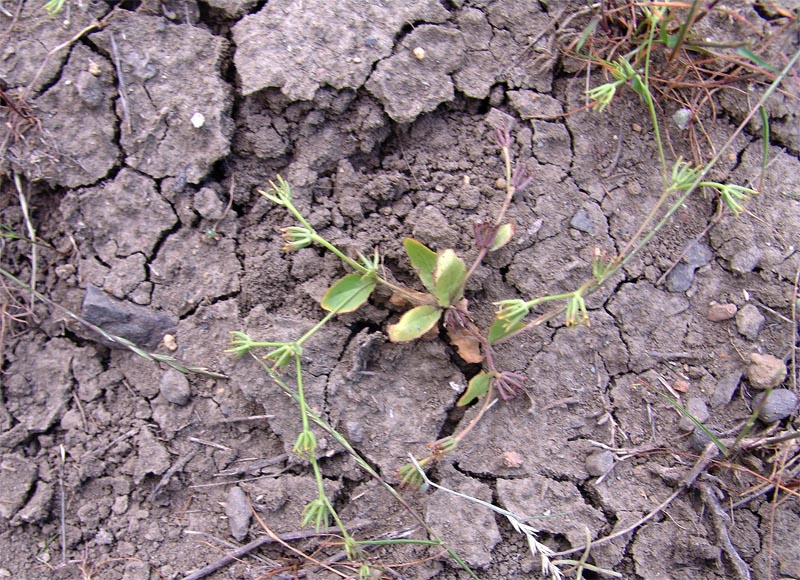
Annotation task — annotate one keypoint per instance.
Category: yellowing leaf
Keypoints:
(448, 278)
(503, 236)
(348, 293)
(414, 323)
(477, 388)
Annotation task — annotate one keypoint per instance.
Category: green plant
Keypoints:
(53, 7)
(445, 276)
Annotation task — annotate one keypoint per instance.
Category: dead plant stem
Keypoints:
(23, 204)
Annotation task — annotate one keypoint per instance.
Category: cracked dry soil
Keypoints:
(147, 140)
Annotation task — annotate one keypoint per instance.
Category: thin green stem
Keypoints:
(314, 329)
(627, 254)
(338, 253)
(278, 380)
(300, 393)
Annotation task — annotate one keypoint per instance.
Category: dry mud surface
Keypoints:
(149, 137)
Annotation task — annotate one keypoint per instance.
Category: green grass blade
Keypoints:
(683, 411)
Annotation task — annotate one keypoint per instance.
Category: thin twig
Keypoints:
(23, 204)
(176, 467)
(29, 89)
(703, 461)
(720, 520)
(263, 541)
(63, 506)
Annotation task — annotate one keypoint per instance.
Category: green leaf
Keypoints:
(414, 323)
(478, 386)
(753, 57)
(348, 293)
(498, 331)
(448, 278)
(503, 236)
(423, 259)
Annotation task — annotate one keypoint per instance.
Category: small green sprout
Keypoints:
(602, 95)
(306, 444)
(53, 7)
(733, 194)
(317, 511)
(297, 237)
(576, 310)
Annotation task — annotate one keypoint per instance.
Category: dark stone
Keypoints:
(138, 324)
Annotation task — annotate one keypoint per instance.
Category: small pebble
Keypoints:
(749, 321)
(512, 459)
(726, 387)
(779, 404)
(698, 440)
(697, 254)
(355, 431)
(682, 118)
(718, 312)
(175, 387)
(698, 409)
(636, 127)
(599, 463)
(746, 260)
(680, 278)
(419, 53)
(582, 221)
(500, 184)
(681, 385)
(765, 371)
(198, 120)
(238, 511)
(170, 343)
(634, 188)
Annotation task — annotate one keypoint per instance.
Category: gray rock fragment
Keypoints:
(152, 456)
(726, 387)
(680, 278)
(682, 275)
(139, 324)
(208, 204)
(697, 254)
(779, 404)
(239, 513)
(174, 386)
(698, 409)
(17, 476)
(582, 221)
(749, 321)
